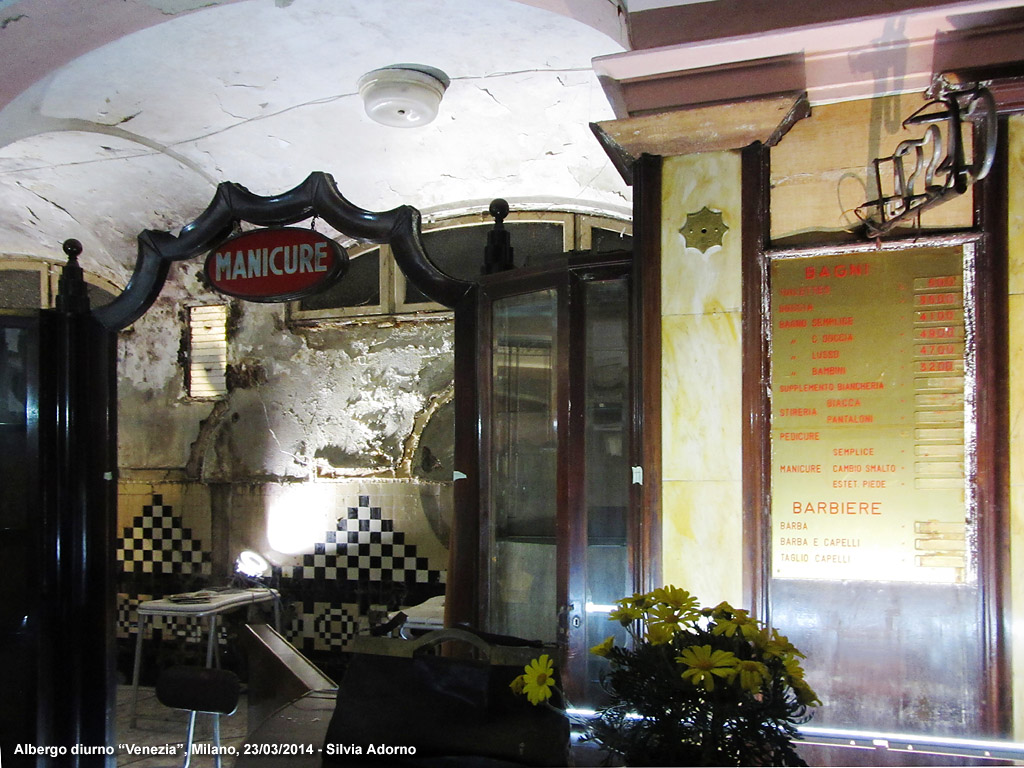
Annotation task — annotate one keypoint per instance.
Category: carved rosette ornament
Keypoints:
(703, 229)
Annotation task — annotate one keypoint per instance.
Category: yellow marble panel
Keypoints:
(695, 282)
(702, 539)
(1017, 605)
(1016, 411)
(1016, 387)
(1015, 193)
(701, 397)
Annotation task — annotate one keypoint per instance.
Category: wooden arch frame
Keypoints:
(318, 195)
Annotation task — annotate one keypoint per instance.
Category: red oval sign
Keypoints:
(275, 264)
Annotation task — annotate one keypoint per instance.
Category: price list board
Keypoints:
(868, 417)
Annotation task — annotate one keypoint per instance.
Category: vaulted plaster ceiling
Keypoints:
(124, 115)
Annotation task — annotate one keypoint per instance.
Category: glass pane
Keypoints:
(607, 240)
(607, 465)
(98, 297)
(19, 289)
(523, 467)
(358, 287)
(873, 561)
(459, 251)
(14, 425)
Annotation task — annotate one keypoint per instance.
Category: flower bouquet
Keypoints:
(700, 686)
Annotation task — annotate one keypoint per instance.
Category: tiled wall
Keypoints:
(356, 550)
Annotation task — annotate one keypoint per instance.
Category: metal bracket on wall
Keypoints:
(933, 177)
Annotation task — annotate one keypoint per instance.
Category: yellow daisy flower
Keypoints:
(641, 601)
(703, 665)
(659, 634)
(752, 675)
(741, 621)
(793, 669)
(784, 643)
(626, 614)
(722, 609)
(667, 614)
(805, 694)
(517, 685)
(677, 598)
(538, 679)
(604, 647)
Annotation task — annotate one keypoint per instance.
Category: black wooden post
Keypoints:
(498, 251)
(77, 691)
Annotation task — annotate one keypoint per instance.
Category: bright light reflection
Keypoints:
(908, 741)
(600, 608)
(297, 516)
(251, 564)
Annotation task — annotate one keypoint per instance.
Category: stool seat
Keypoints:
(199, 689)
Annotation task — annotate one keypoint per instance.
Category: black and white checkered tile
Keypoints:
(157, 542)
(127, 618)
(334, 626)
(363, 557)
(183, 628)
(325, 626)
(365, 548)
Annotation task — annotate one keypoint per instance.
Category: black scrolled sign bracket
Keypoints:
(935, 172)
(317, 196)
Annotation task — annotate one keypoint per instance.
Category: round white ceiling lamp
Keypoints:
(403, 95)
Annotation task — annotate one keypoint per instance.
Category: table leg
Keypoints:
(216, 739)
(137, 667)
(212, 640)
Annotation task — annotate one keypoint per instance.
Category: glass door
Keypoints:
(19, 527)
(555, 403)
(603, 499)
(523, 466)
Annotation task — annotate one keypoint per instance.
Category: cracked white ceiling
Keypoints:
(137, 133)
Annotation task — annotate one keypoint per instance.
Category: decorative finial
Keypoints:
(499, 210)
(73, 248)
(72, 294)
(498, 251)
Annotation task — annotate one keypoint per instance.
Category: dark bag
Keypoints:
(398, 704)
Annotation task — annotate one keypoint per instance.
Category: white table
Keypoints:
(213, 603)
(424, 617)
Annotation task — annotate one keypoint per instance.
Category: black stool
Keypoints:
(199, 689)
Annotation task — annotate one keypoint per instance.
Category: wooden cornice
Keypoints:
(705, 128)
(833, 53)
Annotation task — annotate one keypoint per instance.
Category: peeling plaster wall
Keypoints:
(328, 401)
(304, 461)
(336, 401)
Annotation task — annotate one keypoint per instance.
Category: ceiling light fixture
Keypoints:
(403, 95)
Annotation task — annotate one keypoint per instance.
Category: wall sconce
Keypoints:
(403, 95)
